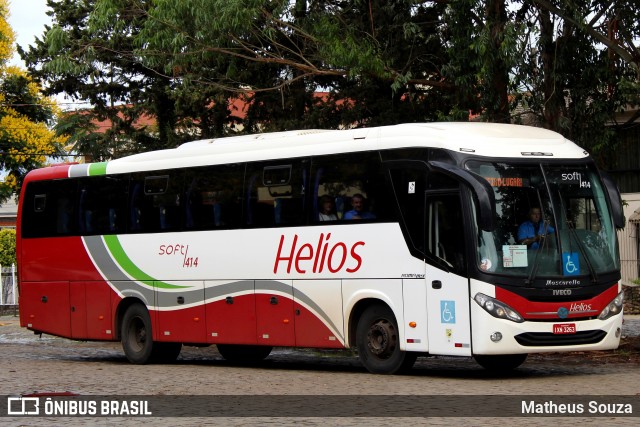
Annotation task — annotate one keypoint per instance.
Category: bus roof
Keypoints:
(481, 139)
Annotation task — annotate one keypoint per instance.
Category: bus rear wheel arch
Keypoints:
(378, 341)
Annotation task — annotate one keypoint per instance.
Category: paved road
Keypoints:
(54, 365)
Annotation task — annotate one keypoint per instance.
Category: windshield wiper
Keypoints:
(534, 268)
(572, 232)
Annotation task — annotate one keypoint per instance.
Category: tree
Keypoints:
(545, 62)
(95, 64)
(7, 247)
(615, 24)
(483, 42)
(575, 84)
(380, 60)
(25, 114)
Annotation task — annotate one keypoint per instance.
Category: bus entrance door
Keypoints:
(448, 326)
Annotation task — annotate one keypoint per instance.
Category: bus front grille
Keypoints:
(542, 339)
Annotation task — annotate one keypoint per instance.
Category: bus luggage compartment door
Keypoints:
(274, 313)
(44, 307)
(318, 319)
(181, 314)
(231, 312)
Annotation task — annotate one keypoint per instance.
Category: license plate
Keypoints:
(564, 328)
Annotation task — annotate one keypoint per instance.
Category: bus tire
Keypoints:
(244, 353)
(378, 342)
(136, 336)
(500, 362)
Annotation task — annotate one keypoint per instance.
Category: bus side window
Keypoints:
(50, 209)
(84, 212)
(340, 177)
(135, 207)
(409, 190)
(212, 197)
(101, 204)
(445, 233)
(64, 216)
(276, 193)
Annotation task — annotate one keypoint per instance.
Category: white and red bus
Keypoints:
(221, 242)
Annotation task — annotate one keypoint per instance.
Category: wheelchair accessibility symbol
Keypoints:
(447, 312)
(570, 264)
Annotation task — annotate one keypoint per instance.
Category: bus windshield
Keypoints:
(552, 221)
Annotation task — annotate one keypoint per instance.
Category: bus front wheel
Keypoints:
(136, 335)
(500, 362)
(378, 342)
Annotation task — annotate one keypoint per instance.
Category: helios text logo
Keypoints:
(315, 257)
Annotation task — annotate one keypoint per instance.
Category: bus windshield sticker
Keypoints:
(570, 264)
(486, 264)
(514, 256)
(575, 178)
(447, 311)
(412, 187)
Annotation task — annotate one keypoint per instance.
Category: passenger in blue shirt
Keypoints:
(531, 232)
(358, 212)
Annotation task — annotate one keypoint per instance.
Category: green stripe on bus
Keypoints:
(129, 267)
(98, 168)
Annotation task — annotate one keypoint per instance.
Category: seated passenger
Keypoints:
(531, 232)
(358, 212)
(327, 209)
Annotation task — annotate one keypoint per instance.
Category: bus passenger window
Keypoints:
(101, 204)
(212, 197)
(49, 209)
(64, 215)
(355, 184)
(135, 207)
(275, 193)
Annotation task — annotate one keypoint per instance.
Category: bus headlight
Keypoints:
(613, 308)
(497, 308)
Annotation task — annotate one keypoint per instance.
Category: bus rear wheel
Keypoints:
(244, 353)
(378, 342)
(500, 362)
(136, 335)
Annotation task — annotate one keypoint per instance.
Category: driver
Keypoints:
(532, 232)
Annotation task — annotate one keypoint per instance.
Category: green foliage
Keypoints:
(7, 247)
(25, 114)
(378, 62)
(94, 61)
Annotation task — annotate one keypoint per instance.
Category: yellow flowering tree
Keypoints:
(26, 140)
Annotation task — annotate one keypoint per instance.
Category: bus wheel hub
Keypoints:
(381, 339)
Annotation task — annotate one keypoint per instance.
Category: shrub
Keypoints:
(7, 247)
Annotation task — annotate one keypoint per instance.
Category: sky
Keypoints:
(27, 18)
